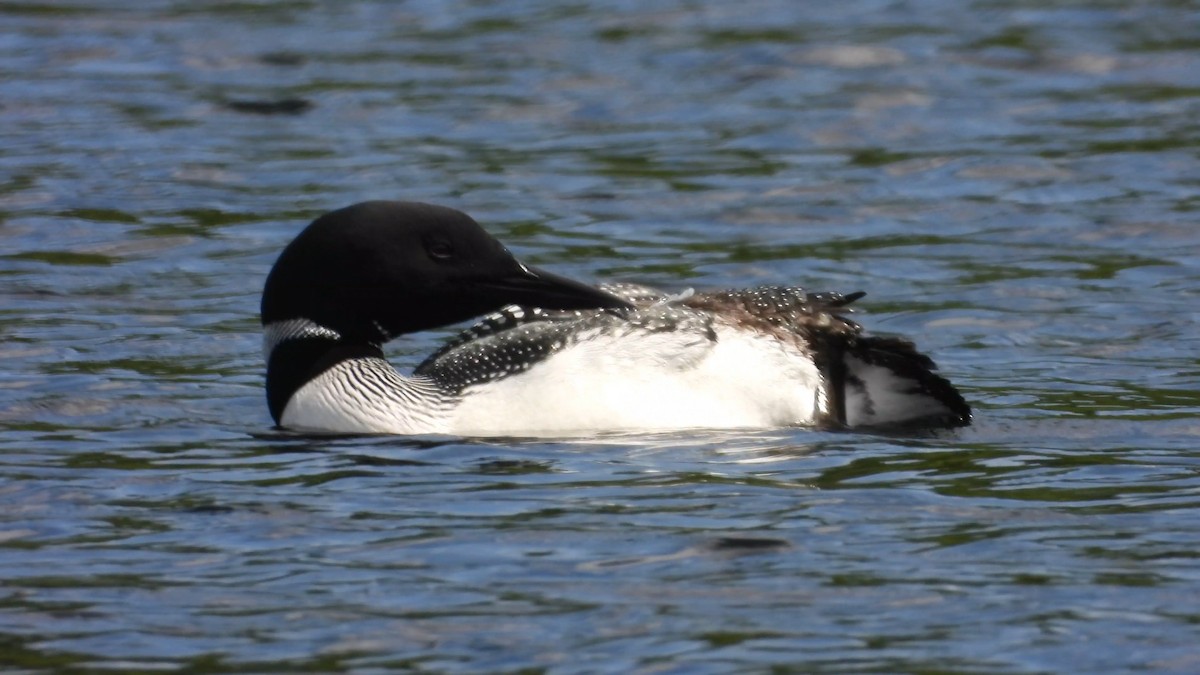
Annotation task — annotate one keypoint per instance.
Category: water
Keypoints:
(1014, 184)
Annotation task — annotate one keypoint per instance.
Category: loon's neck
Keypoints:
(297, 351)
(314, 368)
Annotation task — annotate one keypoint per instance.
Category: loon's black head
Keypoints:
(381, 268)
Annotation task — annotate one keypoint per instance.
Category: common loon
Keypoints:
(554, 356)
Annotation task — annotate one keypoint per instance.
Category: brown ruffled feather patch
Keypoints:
(787, 313)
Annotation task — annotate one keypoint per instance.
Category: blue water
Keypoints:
(1015, 185)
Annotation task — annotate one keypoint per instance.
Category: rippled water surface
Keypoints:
(1014, 184)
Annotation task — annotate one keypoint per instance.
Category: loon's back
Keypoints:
(762, 357)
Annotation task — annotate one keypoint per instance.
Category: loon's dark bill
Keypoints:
(533, 287)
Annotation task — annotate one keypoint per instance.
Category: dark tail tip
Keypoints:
(886, 382)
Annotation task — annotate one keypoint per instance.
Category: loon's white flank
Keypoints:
(654, 381)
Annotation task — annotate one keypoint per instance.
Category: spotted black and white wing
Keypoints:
(503, 344)
(515, 339)
(870, 381)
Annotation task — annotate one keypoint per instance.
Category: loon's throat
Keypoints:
(298, 351)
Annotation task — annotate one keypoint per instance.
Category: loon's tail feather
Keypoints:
(886, 382)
